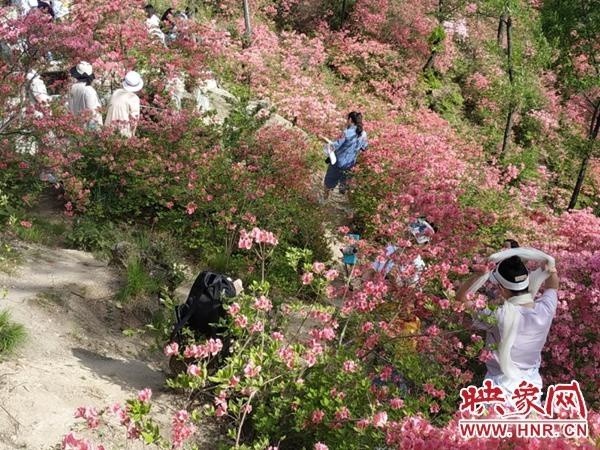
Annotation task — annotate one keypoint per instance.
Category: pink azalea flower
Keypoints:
(171, 349)
(257, 327)
(317, 416)
(331, 274)
(251, 370)
(214, 346)
(480, 303)
(70, 442)
(144, 395)
(241, 321)
(380, 419)
(193, 370)
(190, 208)
(234, 309)
(318, 267)
(277, 336)
(362, 424)
(263, 303)
(349, 366)
(26, 224)
(486, 355)
(320, 446)
(307, 278)
(181, 429)
(90, 414)
(396, 403)
(342, 414)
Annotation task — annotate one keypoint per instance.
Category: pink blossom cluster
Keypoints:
(181, 428)
(258, 236)
(70, 442)
(200, 351)
(90, 414)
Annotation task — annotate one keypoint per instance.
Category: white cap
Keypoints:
(84, 68)
(133, 82)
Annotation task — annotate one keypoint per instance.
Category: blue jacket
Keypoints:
(348, 147)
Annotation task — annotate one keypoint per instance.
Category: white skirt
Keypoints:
(508, 386)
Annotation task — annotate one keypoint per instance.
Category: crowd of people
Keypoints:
(82, 99)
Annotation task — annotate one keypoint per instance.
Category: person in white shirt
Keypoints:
(37, 92)
(520, 326)
(153, 24)
(83, 98)
(124, 106)
(25, 5)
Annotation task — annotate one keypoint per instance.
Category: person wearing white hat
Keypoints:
(25, 5)
(124, 106)
(83, 98)
(38, 94)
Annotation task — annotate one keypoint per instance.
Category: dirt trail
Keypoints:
(75, 353)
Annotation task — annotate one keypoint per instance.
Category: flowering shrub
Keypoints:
(347, 362)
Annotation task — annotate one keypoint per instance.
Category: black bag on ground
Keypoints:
(204, 306)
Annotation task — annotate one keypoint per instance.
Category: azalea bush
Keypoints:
(315, 358)
(292, 375)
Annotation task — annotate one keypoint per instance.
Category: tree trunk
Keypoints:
(501, 26)
(430, 61)
(592, 136)
(580, 178)
(507, 20)
(507, 129)
(343, 14)
(509, 48)
(429, 65)
(248, 33)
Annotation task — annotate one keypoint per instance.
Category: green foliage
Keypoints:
(573, 28)
(9, 258)
(138, 282)
(91, 235)
(492, 202)
(11, 334)
(19, 184)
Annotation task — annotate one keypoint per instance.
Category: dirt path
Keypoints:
(75, 353)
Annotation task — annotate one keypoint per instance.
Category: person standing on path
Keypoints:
(83, 98)
(345, 149)
(124, 106)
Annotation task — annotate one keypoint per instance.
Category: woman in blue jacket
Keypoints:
(352, 141)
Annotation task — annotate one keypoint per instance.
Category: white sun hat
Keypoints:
(133, 82)
(83, 69)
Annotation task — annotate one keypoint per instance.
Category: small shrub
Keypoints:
(138, 282)
(90, 235)
(11, 334)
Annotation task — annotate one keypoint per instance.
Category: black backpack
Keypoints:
(204, 306)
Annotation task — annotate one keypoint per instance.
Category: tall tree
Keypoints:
(573, 28)
(248, 32)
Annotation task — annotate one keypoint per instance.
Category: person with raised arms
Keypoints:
(516, 330)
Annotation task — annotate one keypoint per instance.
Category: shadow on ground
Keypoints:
(130, 374)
